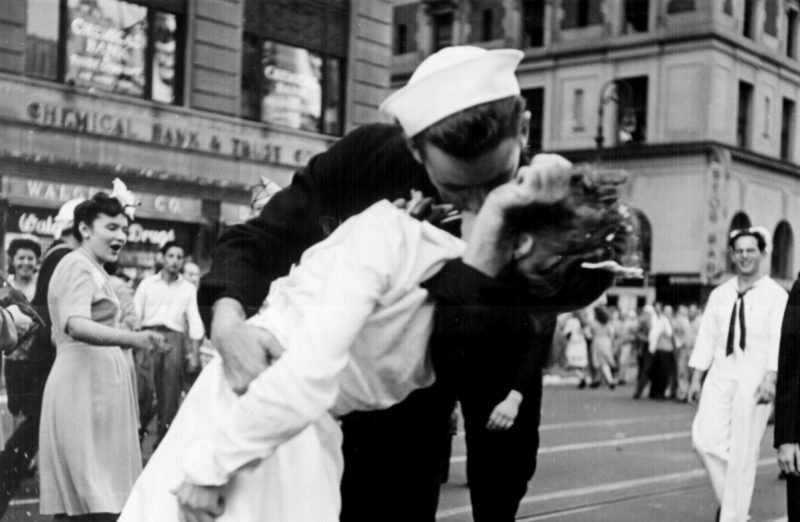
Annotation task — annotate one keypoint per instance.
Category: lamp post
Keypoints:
(609, 92)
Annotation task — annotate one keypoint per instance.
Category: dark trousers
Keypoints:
(500, 463)
(644, 363)
(394, 459)
(25, 381)
(160, 374)
(793, 498)
(660, 373)
(16, 458)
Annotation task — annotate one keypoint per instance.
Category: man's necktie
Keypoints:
(737, 305)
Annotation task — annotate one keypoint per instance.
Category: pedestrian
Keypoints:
(602, 350)
(191, 272)
(738, 348)
(684, 340)
(21, 448)
(354, 322)
(23, 257)
(787, 403)
(644, 355)
(661, 346)
(626, 340)
(88, 449)
(167, 303)
(577, 350)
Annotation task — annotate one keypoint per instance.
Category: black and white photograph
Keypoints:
(399, 261)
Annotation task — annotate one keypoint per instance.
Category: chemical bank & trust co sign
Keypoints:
(148, 123)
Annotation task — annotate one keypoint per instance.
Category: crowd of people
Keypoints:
(648, 346)
(407, 267)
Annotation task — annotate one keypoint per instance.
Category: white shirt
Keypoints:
(169, 304)
(355, 325)
(659, 327)
(764, 305)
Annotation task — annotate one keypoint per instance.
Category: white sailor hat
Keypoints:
(65, 216)
(451, 80)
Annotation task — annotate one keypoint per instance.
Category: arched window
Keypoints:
(782, 250)
(640, 241)
(740, 220)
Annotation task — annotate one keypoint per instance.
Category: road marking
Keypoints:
(606, 422)
(24, 502)
(610, 422)
(602, 488)
(601, 444)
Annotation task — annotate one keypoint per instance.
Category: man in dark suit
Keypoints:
(787, 402)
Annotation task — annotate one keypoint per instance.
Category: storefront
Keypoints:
(30, 206)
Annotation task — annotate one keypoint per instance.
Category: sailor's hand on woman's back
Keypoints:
(246, 350)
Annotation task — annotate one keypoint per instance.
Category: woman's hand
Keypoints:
(490, 247)
(505, 413)
(199, 503)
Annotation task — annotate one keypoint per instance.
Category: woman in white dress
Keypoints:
(355, 323)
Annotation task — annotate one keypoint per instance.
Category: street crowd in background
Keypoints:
(648, 347)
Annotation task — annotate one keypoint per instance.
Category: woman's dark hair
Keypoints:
(471, 132)
(24, 244)
(87, 212)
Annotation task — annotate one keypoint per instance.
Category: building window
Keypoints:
(747, 19)
(787, 129)
(632, 110)
(405, 28)
(581, 13)
(291, 86)
(771, 17)
(637, 13)
(400, 39)
(534, 99)
(743, 115)
(767, 113)
(533, 23)
(680, 6)
(487, 22)
(442, 31)
(41, 40)
(791, 33)
(110, 46)
(577, 110)
(782, 251)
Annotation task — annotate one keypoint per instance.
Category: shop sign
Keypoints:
(165, 127)
(106, 123)
(40, 222)
(61, 192)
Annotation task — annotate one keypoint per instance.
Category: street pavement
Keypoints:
(603, 457)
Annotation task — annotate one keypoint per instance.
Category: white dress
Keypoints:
(355, 325)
